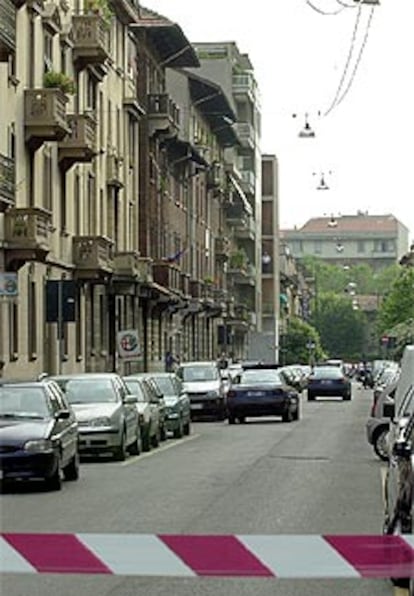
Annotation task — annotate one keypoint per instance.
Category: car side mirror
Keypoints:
(131, 399)
(62, 415)
(389, 410)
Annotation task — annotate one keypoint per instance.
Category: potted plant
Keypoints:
(238, 259)
(59, 80)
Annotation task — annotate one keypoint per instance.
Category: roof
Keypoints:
(169, 40)
(347, 224)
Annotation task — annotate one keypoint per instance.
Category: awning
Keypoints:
(183, 150)
(241, 194)
(168, 39)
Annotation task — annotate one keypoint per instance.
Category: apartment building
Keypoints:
(224, 64)
(378, 240)
(111, 219)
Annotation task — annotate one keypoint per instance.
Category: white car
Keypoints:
(148, 412)
(205, 387)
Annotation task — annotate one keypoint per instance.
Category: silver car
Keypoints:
(378, 425)
(106, 413)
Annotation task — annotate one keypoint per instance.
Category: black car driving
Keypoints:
(38, 433)
(262, 391)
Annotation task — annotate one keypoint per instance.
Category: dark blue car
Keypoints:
(328, 381)
(38, 434)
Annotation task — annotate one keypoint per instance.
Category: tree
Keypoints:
(342, 329)
(398, 304)
(302, 343)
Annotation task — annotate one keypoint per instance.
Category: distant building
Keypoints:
(378, 240)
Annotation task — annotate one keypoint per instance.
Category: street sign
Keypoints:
(8, 285)
(128, 343)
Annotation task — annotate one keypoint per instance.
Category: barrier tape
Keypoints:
(280, 556)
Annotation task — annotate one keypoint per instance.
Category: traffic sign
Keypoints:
(8, 285)
(129, 347)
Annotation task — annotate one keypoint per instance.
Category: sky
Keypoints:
(303, 60)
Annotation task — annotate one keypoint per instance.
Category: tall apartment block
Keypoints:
(114, 197)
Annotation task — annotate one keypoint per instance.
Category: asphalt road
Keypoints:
(315, 476)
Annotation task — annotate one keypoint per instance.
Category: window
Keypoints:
(317, 247)
(47, 52)
(77, 204)
(13, 331)
(32, 321)
(91, 205)
(47, 180)
(361, 246)
(78, 327)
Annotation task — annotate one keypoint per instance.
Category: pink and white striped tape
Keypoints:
(282, 556)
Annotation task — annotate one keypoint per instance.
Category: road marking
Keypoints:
(169, 445)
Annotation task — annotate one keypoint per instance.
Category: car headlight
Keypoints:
(39, 446)
(213, 394)
(102, 421)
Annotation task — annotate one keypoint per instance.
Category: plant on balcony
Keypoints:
(238, 260)
(99, 7)
(208, 280)
(59, 80)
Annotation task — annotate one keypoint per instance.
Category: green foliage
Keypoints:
(59, 80)
(100, 7)
(342, 329)
(296, 341)
(398, 305)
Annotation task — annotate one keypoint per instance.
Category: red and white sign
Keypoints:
(128, 344)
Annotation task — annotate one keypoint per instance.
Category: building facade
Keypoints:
(377, 240)
(117, 193)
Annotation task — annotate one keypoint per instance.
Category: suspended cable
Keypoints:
(347, 63)
(364, 43)
(309, 3)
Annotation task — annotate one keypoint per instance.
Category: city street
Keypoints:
(315, 476)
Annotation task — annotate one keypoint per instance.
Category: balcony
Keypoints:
(130, 266)
(93, 257)
(222, 248)
(27, 235)
(167, 275)
(7, 29)
(245, 132)
(244, 86)
(240, 318)
(215, 176)
(196, 288)
(45, 116)
(90, 40)
(248, 181)
(79, 146)
(7, 182)
(245, 229)
(185, 285)
(163, 115)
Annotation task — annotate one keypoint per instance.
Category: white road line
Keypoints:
(137, 458)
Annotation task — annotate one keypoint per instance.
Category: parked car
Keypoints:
(328, 381)
(294, 376)
(262, 391)
(398, 484)
(38, 433)
(157, 402)
(378, 425)
(204, 385)
(106, 412)
(148, 411)
(178, 412)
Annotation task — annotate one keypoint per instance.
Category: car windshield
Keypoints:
(135, 388)
(258, 377)
(165, 385)
(85, 391)
(199, 373)
(328, 372)
(23, 402)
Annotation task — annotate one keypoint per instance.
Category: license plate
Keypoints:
(326, 382)
(196, 406)
(256, 393)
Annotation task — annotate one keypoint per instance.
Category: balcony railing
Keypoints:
(246, 228)
(167, 275)
(7, 182)
(244, 84)
(245, 132)
(79, 146)
(222, 248)
(248, 180)
(90, 39)
(196, 288)
(163, 114)
(28, 228)
(45, 115)
(185, 284)
(93, 256)
(7, 29)
(129, 265)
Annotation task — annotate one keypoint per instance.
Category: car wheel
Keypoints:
(379, 442)
(242, 419)
(54, 482)
(311, 397)
(287, 416)
(187, 428)
(232, 419)
(146, 440)
(121, 452)
(163, 433)
(71, 471)
(347, 397)
(296, 415)
(136, 446)
(178, 432)
(155, 439)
